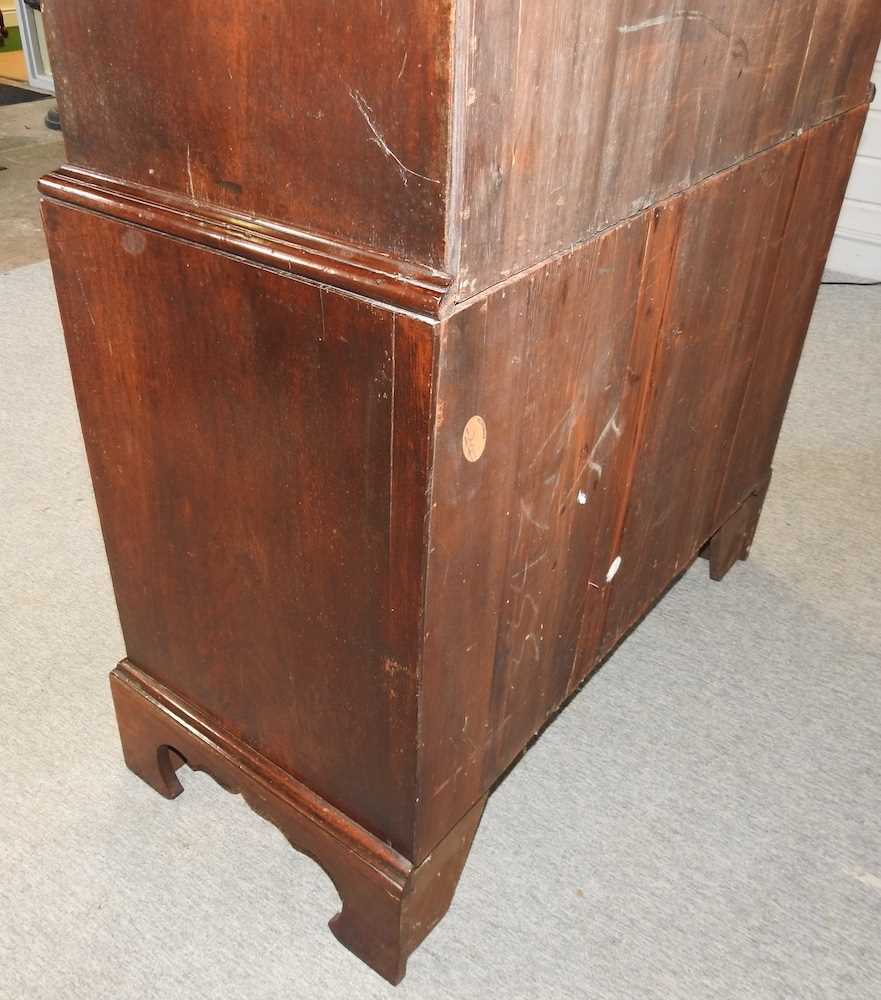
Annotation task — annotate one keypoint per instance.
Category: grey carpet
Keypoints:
(703, 821)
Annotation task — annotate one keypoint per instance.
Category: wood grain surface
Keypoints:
(632, 392)
(245, 438)
(334, 117)
(419, 346)
(477, 137)
(389, 906)
(578, 115)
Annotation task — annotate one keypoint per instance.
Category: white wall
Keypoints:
(856, 249)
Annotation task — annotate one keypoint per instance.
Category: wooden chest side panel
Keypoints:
(239, 427)
(730, 240)
(612, 382)
(579, 115)
(814, 211)
(752, 250)
(553, 366)
(331, 117)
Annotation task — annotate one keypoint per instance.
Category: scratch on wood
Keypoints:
(323, 336)
(806, 59)
(367, 114)
(529, 565)
(612, 426)
(567, 420)
(79, 281)
(190, 174)
(527, 516)
(677, 15)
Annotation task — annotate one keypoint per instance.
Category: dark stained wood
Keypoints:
(733, 541)
(344, 119)
(282, 248)
(520, 540)
(825, 168)
(239, 429)
(838, 59)
(331, 116)
(654, 293)
(704, 352)
(389, 905)
(592, 498)
(419, 347)
(578, 115)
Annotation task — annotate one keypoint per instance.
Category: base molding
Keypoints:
(389, 905)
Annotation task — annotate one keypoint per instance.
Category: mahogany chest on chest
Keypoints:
(418, 347)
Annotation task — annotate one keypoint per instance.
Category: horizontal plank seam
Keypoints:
(450, 308)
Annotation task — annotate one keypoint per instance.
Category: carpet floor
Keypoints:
(703, 821)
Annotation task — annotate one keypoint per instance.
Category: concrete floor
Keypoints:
(27, 151)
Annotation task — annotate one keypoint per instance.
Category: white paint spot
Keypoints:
(582, 498)
(613, 569)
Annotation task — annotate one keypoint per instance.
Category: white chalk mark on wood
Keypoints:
(563, 425)
(613, 569)
(612, 427)
(529, 565)
(368, 115)
(677, 15)
(527, 515)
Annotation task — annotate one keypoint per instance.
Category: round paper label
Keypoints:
(474, 438)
